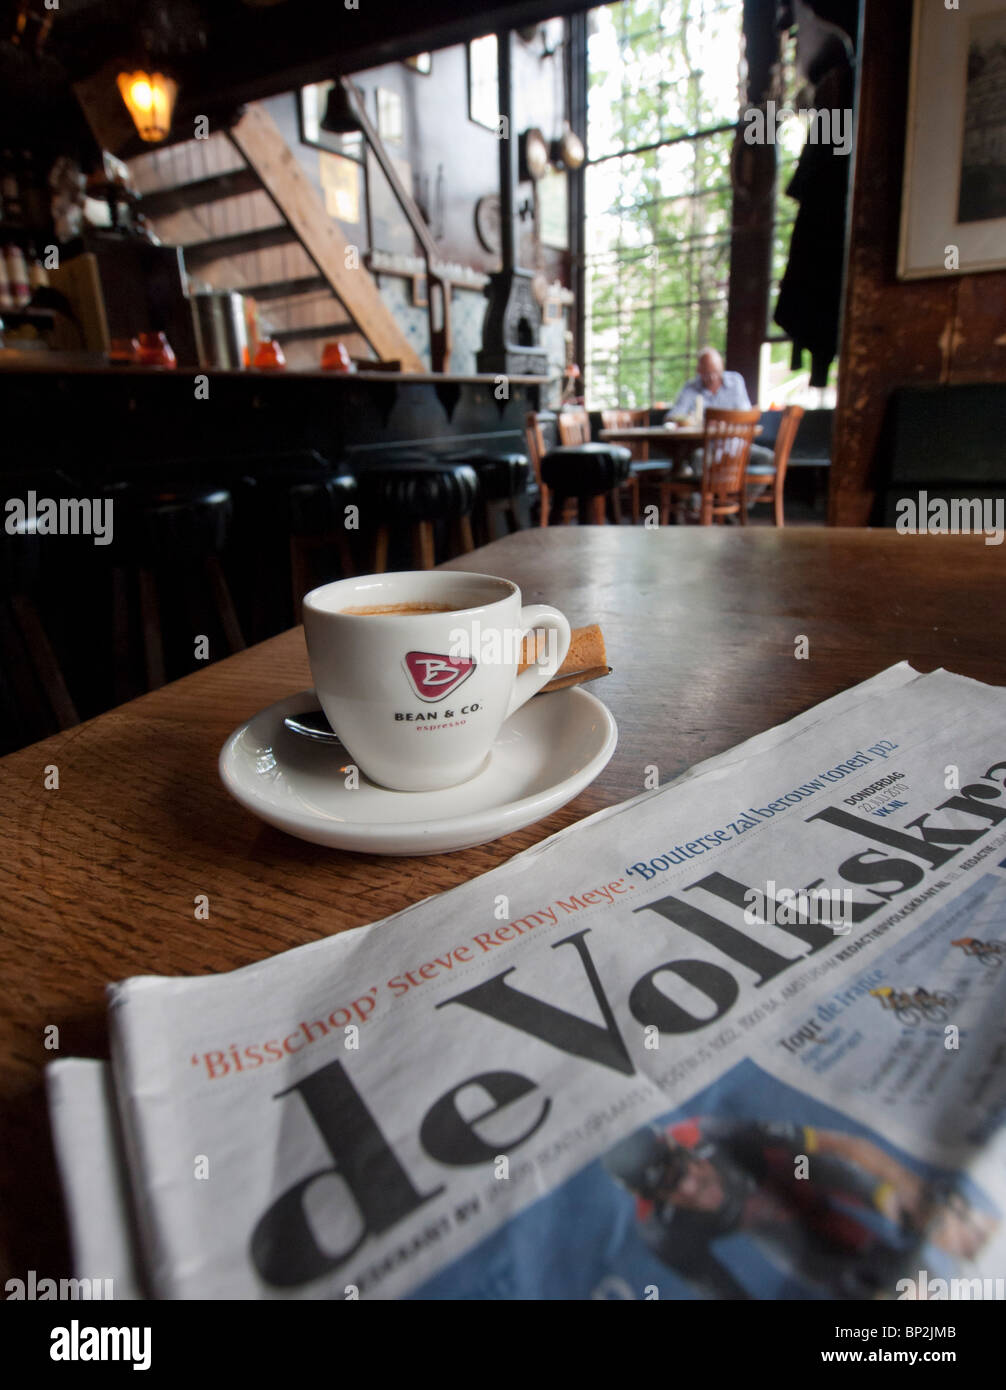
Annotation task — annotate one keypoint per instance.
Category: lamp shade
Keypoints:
(150, 100)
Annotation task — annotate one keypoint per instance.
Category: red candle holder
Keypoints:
(335, 358)
(156, 351)
(269, 356)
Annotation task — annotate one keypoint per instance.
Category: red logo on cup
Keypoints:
(434, 676)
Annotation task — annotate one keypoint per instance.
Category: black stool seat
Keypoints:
(578, 470)
(501, 476)
(305, 489)
(168, 522)
(418, 492)
(504, 480)
(421, 489)
(621, 452)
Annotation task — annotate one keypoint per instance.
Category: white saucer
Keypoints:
(543, 756)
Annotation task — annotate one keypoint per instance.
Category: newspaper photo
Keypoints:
(742, 1037)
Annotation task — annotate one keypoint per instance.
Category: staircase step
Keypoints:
(219, 248)
(184, 196)
(284, 289)
(315, 330)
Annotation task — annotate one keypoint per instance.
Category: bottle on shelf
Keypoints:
(17, 275)
(10, 192)
(6, 298)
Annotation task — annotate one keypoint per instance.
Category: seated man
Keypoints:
(717, 388)
(720, 390)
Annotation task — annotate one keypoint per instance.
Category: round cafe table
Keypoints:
(679, 441)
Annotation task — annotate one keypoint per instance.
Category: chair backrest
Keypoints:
(535, 442)
(618, 419)
(574, 427)
(728, 439)
(627, 420)
(788, 426)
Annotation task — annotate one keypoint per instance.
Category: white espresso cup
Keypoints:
(418, 697)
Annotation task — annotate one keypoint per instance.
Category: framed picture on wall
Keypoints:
(953, 210)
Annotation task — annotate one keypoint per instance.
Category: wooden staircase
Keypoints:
(248, 218)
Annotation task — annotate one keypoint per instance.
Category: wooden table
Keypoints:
(679, 441)
(100, 875)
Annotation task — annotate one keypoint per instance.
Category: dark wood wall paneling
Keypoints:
(897, 333)
(440, 135)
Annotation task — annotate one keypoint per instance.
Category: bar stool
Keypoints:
(503, 482)
(290, 510)
(165, 537)
(416, 493)
(589, 474)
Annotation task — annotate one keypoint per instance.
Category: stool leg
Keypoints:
(613, 507)
(558, 506)
(423, 545)
(381, 550)
(546, 504)
(463, 535)
(225, 605)
(153, 643)
(44, 660)
(780, 520)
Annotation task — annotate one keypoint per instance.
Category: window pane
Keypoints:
(658, 220)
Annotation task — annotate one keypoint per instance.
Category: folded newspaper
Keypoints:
(743, 1036)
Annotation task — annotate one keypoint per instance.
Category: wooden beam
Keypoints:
(258, 138)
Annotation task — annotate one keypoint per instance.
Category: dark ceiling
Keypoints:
(224, 52)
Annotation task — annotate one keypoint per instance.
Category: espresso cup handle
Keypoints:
(533, 677)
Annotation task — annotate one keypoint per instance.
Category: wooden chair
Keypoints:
(644, 469)
(725, 456)
(536, 452)
(769, 480)
(574, 427)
